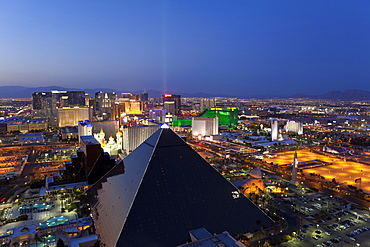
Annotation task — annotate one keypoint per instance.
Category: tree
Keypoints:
(60, 243)
(267, 244)
(35, 184)
(287, 238)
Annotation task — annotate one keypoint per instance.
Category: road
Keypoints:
(12, 193)
(285, 212)
(29, 165)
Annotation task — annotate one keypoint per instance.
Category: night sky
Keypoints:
(239, 47)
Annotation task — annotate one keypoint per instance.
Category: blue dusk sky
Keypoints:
(239, 47)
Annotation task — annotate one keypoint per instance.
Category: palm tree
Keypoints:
(60, 243)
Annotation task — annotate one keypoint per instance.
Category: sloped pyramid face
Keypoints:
(166, 191)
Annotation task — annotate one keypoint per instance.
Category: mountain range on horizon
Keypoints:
(26, 92)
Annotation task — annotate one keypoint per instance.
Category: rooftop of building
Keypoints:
(91, 239)
(201, 237)
(89, 140)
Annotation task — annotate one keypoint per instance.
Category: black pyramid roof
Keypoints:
(166, 191)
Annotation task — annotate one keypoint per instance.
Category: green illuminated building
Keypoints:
(181, 122)
(226, 117)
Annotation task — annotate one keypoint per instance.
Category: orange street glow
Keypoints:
(345, 172)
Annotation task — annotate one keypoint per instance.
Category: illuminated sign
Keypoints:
(167, 95)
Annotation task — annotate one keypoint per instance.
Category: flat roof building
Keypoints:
(204, 126)
(71, 116)
(134, 136)
(202, 237)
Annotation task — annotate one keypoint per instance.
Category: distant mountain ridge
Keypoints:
(347, 95)
(26, 92)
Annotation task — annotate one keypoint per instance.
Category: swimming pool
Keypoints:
(54, 221)
(38, 206)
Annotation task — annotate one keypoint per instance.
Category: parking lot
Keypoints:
(329, 221)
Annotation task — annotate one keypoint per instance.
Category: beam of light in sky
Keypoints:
(164, 44)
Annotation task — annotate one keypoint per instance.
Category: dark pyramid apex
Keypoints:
(164, 138)
(168, 190)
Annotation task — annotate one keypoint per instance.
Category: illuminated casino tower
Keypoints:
(171, 103)
(294, 170)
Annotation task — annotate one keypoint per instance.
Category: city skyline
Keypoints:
(231, 48)
(118, 170)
